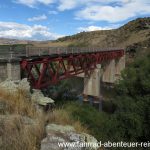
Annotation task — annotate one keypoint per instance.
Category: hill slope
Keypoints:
(133, 32)
(7, 41)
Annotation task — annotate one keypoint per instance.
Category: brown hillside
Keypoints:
(133, 32)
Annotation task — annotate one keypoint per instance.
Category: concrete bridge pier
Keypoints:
(112, 70)
(92, 86)
(109, 72)
(119, 66)
(92, 83)
(10, 69)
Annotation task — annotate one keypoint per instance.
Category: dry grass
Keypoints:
(18, 136)
(52, 44)
(15, 132)
(63, 117)
(59, 116)
(18, 103)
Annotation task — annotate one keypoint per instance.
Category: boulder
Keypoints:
(24, 85)
(59, 134)
(59, 128)
(9, 86)
(13, 86)
(40, 99)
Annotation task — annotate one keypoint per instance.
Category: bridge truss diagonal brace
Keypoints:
(49, 70)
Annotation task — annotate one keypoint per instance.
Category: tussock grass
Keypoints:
(23, 127)
(18, 102)
(63, 116)
(18, 136)
(60, 116)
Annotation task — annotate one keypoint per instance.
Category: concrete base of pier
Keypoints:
(10, 69)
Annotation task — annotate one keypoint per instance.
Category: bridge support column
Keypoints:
(13, 70)
(3, 70)
(109, 72)
(120, 65)
(92, 84)
(10, 69)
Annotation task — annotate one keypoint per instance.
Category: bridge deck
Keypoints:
(51, 51)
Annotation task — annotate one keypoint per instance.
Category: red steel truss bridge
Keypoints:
(46, 66)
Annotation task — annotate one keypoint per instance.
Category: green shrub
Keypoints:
(131, 118)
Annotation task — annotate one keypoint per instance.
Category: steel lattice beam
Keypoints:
(47, 70)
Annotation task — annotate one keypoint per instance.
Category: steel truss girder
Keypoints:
(46, 70)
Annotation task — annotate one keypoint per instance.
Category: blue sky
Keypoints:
(50, 19)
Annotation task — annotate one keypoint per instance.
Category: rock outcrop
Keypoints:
(23, 85)
(59, 134)
(40, 99)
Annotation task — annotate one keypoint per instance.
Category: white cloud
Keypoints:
(33, 3)
(22, 31)
(94, 28)
(68, 4)
(71, 4)
(38, 18)
(53, 12)
(97, 10)
(124, 11)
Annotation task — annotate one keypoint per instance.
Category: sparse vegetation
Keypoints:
(17, 103)
(21, 125)
(16, 135)
(64, 117)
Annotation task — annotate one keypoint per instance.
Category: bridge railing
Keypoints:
(11, 55)
(64, 50)
(40, 51)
